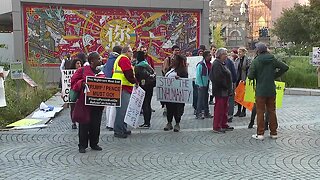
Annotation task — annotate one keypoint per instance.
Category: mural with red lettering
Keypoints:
(51, 32)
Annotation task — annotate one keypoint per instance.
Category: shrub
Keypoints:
(23, 99)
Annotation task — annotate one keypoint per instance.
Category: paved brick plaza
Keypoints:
(194, 153)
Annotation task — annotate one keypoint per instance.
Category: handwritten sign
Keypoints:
(103, 92)
(66, 83)
(316, 56)
(250, 92)
(134, 107)
(174, 90)
(3, 102)
(16, 69)
(192, 63)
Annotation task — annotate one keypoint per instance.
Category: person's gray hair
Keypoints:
(261, 48)
(125, 49)
(221, 51)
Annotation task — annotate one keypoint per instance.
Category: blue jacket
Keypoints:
(202, 74)
(232, 69)
(107, 68)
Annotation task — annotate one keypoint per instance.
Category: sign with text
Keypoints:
(192, 63)
(316, 56)
(16, 69)
(250, 92)
(3, 102)
(103, 92)
(66, 83)
(174, 90)
(134, 107)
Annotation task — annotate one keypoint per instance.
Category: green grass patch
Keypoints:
(22, 99)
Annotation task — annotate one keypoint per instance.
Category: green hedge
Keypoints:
(301, 73)
(21, 99)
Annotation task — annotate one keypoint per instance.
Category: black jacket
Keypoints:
(221, 79)
(145, 76)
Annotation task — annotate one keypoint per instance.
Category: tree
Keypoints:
(217, 37)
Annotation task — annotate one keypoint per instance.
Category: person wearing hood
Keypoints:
(107, 70)
(264, 70)
(202, 82)
(146, 78)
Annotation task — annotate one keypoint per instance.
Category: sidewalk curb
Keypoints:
(302, 92)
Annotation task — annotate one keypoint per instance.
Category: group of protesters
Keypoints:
(219, 71)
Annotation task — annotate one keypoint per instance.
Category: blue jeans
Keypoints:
(120, 127)
(202, 104)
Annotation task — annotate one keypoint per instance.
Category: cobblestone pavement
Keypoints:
(193, 153)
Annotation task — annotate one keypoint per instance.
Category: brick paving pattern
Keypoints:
(193, 153)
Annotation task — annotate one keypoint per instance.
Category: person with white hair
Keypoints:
(222, 89)
(264, 70)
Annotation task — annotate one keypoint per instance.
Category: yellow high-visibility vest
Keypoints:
(118, 73)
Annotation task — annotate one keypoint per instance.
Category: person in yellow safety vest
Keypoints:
(123, 71)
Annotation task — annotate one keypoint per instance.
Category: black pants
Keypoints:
(91, 131)
(72, 105)
(195, 95)
(146, 107)
(175, 110)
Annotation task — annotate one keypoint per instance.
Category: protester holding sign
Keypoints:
(88, 117)
(147, 80)
(202, 82)
(75, 64)
(265, 69)
(177, 70)
(123, 71)
(222, 89)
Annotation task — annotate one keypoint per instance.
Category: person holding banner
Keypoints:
(202, 82)
(89, 129)
(147, 80)
(123, 71)
(222, 89)
(213, 50)
(265, 69)
(75, 64)
(178, 70)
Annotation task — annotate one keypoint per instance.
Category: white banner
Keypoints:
(192, 63)
(66, 83)
(316, 56)
(174, 90)
(2, 93)
(134, 107)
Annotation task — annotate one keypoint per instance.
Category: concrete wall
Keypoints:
(53, 73)
(6, 6)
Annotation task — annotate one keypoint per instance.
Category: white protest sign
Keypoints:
(66, 84)
(134, 107)
(316, 56)
(192, 63)
(2, 93)
(174, 90)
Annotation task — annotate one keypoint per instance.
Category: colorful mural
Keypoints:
(53, 31)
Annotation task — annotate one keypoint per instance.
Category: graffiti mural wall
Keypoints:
(53, 31)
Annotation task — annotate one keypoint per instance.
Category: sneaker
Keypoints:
(250, 125)
(258, 137)
(218, 131)
(176, 128)
(82, 150)
(144, 126)
(229, 128)
(168, 127)
(109, 128)
(242, 115)
(127, 132)
(273, 136)
(200, 116)
(208, 115)
(96, 148)
(194, 112)
(230, 119)
(123, 136)
(211, 103)
(74, 126)
(237, 114)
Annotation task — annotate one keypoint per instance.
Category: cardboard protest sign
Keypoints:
(174, 90)
(192, 63)
(27, 79)
(16, 69)
(134, 107)
(239, 96)
(66, 84)
(103, 92)
(315, 56)
(250, 92)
